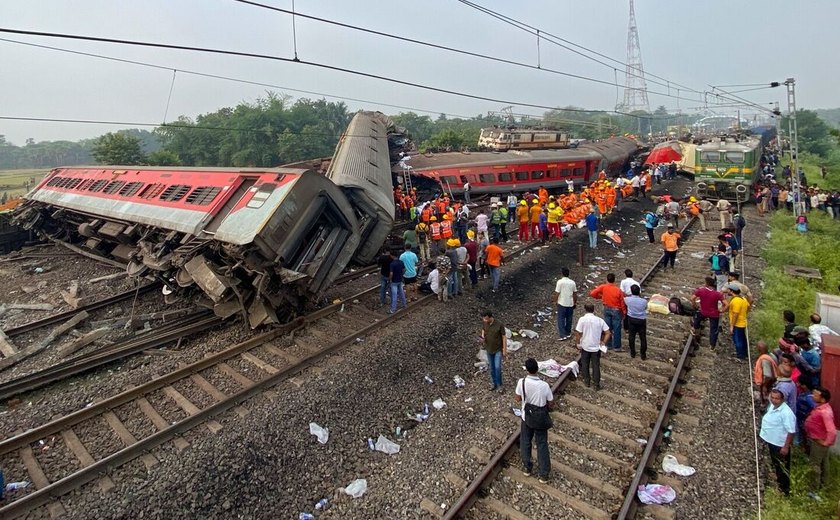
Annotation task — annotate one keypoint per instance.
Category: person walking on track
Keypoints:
(590, 333)
(670, 245)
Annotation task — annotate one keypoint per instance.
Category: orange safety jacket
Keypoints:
(446, 229)
(535, 214)
(435, 229)
(522, 213)
(758, 374)
(426, 214)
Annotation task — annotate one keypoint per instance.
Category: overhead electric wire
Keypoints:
(445, 47)
(227, 52)
(541, 33)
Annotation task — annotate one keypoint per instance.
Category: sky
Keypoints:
(693, 43)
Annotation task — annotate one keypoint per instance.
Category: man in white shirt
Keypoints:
(467, 189)
(817, 329)
(628, 282)
(433, 282)
(723, 206)
(538, 393)
(565, 296)
(570, 185)
(636, 183)
(591, 332)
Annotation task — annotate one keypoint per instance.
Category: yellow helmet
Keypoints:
(552, 205)
(692, 199)
(523, 203)
(470, 233)
(433, 219)
(446, 216)
(535, 201)
(451, 242)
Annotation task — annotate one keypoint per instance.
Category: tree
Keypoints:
(163, 158)
(814, 133)
(116, 148)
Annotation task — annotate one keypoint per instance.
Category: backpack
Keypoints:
(715, 262)
(655, 220)
(421, 235)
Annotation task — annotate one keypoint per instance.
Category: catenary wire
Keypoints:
(448, 48)
(334, 68)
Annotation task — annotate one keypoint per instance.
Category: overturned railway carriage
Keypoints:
(727, 168)
(261, 242)
(490, 172)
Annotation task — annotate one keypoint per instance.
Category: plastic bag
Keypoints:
(549, 368)
(386, 446)
(658, 304)
(530, 334)
(671, 465)
(323, 434)
(508, 333)
(356, 488)
(656, 494)
(438, 404)
(513, 346)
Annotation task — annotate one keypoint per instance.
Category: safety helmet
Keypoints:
(692, 199)
(446, 216)
(552, 205)
(535, 201)
(551, 197)
(523, 203)
(451, 242)
(470, 233)
(433, 219)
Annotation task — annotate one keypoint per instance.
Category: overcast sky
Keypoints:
(697, 44)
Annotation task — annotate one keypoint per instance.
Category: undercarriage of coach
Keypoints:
(264, 281)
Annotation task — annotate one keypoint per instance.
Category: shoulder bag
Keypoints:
(536, 417)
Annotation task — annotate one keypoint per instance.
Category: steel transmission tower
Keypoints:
(635, 89)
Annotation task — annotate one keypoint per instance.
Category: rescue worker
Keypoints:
(535, 212)
(542, 194)
(446, 230)
(554, 216)
(503, 211)
(495, 221)
(426, 213)
(522, 214)
(601, 201)
(436, 232)
(422, 233)
(611, 197)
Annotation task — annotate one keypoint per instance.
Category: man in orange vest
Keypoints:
(535, 212)
(522, 215)
(426, 214)
(765, 372)
(601, 201)
(542, 193)
(434, 229)
(611, 197)
(446, 227)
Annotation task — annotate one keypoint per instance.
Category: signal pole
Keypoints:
(790, 83)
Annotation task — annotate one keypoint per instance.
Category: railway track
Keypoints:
(161, 410)
(606, 443)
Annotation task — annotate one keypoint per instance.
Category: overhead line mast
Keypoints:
(635, 87)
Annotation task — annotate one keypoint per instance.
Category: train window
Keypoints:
(72, 183)
(565, 172)
(131, 188)
(98, 185)
(710, 156)
(487, 177)
(539, 174)
(85, 185)
(552, 174)
(449, 179)
(578, 172)
(175, 192)
(522, 176)
(55, 181)
(203, 195)
(152, 190)
(505, 177)
(262, 195)
(113, 187)
(735, 157)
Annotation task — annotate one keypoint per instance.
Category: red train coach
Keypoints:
(277, 235)
(491, 172)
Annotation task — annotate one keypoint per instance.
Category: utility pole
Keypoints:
(790, 83)
(635, 87)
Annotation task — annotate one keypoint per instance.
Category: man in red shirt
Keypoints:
(706, 299)
(614, 308)
(819, 426)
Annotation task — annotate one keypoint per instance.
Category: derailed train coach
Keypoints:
(260, 242)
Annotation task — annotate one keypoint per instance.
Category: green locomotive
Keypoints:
(727, 167)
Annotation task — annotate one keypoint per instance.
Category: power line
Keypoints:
(541, 33)
(227, 52)
(444, 47)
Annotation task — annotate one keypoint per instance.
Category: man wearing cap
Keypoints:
(452, 277)
(472, 257)
(734, 278)
(723, 207)
(523, 216)
(670, 245)
(536, 392)
(705, 207)
(535, 212)
(738, 307)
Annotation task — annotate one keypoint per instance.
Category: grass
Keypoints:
(811, 165)
(818, 248)
(13, 182)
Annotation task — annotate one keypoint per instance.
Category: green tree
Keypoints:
(163, 157)
(814, 133)
(116, 148)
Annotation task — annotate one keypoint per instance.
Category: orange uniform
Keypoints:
(543, 196)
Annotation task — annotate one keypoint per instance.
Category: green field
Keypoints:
(13, 182)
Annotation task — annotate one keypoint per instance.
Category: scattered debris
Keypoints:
(323, 434)
(385, 445)
(670, 464)
(656, 494)
(356, 488)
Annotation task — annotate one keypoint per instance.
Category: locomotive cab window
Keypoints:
(505, 177)
(710, 156)
(539, 174)
(735, 157)
(522, 176)
(487, 177)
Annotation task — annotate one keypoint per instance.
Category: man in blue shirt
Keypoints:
(409, 260)
(650, 223)
(777, 428)
(637, 321)
(592, 226)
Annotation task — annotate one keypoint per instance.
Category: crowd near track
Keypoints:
(606, 443)
(86, 445)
